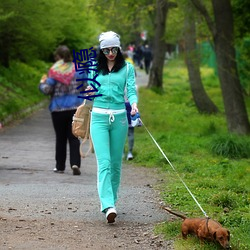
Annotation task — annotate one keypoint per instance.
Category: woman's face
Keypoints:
(110, 53)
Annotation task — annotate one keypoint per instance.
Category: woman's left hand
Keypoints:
(134, 109)
(89, 88)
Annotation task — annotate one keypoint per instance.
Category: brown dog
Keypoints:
(204, 228)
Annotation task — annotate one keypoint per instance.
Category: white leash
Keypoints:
(174, 169)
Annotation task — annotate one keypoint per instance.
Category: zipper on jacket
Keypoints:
(109, 89)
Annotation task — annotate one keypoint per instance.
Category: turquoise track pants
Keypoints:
(108, 136)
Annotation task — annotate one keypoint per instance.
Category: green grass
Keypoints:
(214, 164)
(19, 88)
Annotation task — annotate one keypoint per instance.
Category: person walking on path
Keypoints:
(147, 54)
(61, 84)
(131, 129)
(109, 125)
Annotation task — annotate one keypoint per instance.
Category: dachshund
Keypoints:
(204, 229)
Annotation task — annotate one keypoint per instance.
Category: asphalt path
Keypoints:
(26, 164)
(31, 190)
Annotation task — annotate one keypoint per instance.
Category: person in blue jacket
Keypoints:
(109, 124)
(61, 85)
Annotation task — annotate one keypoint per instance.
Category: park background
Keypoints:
(195, 124)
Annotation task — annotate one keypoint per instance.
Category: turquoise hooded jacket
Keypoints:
(112, 87)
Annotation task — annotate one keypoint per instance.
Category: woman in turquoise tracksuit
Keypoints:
(109, 123)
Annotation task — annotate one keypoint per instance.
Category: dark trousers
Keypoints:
(62, 122)
(130, 129)
(147, 65)
(131, 139)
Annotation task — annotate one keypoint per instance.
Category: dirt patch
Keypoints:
(51, 234)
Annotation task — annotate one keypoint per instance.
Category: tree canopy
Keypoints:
(28, 31)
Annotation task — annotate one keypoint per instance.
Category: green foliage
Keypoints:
(243, 59)
(219, 183)
(175, 28)
(241, 17)
(128, 18)
(231, 146)
(19, 87)
(41, 29)
(224, 200)
(175, 24)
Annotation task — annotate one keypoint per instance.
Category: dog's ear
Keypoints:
(214, 235)
(228, 237)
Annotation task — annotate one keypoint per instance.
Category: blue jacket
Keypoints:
(63, 97)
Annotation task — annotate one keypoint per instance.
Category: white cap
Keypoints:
(109, 39)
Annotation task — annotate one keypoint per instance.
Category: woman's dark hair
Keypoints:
(102, 66)
(64, 53)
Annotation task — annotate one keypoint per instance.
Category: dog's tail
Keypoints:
(175, 213)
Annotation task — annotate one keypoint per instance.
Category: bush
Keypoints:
(19, 88)
(231, 146)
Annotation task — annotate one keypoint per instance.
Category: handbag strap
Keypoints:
(84, 140)
(90, 149)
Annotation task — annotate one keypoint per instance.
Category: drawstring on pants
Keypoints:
(111, 117)
(109, 112)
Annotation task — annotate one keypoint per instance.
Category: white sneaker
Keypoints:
(76, 170)
(58, 171)
(111, 214)
(130, 156)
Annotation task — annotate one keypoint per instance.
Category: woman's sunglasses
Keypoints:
(107, 51)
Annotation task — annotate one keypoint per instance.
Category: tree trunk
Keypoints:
(201, 99)
(159, 47)
(235, 109)
(223, 38)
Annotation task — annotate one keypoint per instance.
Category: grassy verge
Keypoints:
(19, 88)
(212, 163)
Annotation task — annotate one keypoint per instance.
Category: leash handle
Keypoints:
(174, 170)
